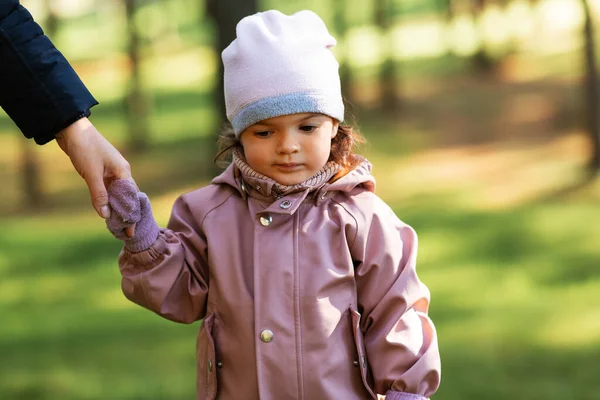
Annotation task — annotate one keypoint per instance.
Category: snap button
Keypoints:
(266, 336)
(258, 188)
(265, 220)
(243, 186)
(210, 365)
(323, 195)
(220, 364)
(285, 204)
(356, 363)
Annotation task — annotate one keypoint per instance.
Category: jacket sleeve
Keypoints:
(39, 90)
(171, 277)
(399, 338)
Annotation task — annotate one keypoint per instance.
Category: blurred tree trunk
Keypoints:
(481, 60)
(592, 90)
(226, 14)
(341, 27)
(33, 194)
(136, 102)
(388, 81)
(451, 10)
(51, 23)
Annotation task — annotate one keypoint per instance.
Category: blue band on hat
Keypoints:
(286, 104)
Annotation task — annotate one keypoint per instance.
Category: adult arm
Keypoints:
(45, 98)
(39, 90)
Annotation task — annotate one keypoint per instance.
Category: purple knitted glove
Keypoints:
(131, 207)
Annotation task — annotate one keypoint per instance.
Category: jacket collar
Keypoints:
(267, 187)
(275, 196)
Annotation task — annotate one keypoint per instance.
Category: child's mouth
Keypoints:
(288, 166)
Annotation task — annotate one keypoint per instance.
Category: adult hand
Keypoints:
(96, 160)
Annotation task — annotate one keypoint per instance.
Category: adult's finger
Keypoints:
(98, 194)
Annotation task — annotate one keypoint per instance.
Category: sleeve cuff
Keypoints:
(152, 253)
(52, 134)
(145, 241)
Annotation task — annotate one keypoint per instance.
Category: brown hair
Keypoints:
(342, 147)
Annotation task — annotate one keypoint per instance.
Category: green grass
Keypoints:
(514, 290)
(514, 299)
(67, 331)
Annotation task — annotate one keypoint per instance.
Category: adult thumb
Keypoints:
(99, 195)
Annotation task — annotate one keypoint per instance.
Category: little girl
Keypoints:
(304, 278)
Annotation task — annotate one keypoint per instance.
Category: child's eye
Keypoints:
(308, 128)
(263, 134)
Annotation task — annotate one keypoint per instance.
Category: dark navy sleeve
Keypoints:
(39, 90)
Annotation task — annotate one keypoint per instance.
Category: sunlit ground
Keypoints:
(511, 262)
(487, 170)
(514, 294)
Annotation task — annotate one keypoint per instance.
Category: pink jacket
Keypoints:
(310, 296)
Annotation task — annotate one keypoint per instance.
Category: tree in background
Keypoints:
(592, 90)
(388, 81)
(481, 60)
(340, 27)
(226, 14)
(136, 101)
(33, 193)
(484, 60)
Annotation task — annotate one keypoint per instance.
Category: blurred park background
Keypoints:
(481, 117)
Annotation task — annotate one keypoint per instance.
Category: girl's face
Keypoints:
(291, 148)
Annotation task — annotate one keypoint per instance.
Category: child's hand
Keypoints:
(131, 208)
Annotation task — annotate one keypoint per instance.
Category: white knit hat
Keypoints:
(280, 65)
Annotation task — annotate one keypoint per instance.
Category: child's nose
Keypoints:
(288, 143)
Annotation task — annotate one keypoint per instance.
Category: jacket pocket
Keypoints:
(206, 360)
(363, 364)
